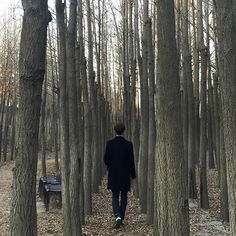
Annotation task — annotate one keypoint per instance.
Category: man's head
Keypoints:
(119, 128)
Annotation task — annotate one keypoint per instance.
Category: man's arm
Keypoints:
(133, 174)
(106, 155)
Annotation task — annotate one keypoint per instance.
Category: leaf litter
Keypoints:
(101, 222)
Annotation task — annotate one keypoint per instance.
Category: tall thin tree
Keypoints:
(23, 216)
(171, 202)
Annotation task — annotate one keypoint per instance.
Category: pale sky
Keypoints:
(5, 5)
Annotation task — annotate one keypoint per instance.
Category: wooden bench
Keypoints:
(52, 192)
(50, 187)
(47, 180)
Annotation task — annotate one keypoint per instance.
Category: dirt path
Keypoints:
(101, 222)
(5, 196)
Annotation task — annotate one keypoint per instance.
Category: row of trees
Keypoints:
(166, 68)
(8, 85)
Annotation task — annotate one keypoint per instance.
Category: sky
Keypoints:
(5, 5)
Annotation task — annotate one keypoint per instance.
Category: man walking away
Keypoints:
(119, 159)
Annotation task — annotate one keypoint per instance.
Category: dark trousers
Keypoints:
(119, 203)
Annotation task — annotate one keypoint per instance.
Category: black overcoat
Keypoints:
(119, 159)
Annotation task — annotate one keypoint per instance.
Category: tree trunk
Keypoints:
(91, 78)
(135, 128)
(196, 84)
(210, 128)
(226, 13)
(54, 103)
(152, 128)
(224, 204)
(143, 151)
(3, 107)
(6, 128)
(187, 74)
(23, 217)
(75, 158)
(13, 130)
(87, 120)
(43, 121)
(216, 98)
(64, 119)
(204, 201)
(171, 202)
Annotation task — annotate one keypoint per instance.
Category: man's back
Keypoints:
(119, 159)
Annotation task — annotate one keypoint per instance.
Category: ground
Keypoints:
(203, 223)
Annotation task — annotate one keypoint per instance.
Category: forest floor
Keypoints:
(203, 223)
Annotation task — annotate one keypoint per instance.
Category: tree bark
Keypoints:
(23, 217)
(224, 199)
(6, 128)
(64, 119)
(187, 74)
(87, 123)
(226, 19)
(143, 151)
(171, 204)
(75, 158)
(43, 135)
(204, 201)
(91, 79)
(152, 128)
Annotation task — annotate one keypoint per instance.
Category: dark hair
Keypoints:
(119, 128)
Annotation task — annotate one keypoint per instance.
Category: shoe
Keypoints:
(118, 223)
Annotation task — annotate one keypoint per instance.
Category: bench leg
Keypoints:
(46, 200)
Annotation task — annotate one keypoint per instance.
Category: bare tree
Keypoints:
(203, 129)
(225, 11)
(171, 202)
(64, 118)
(143, 151)
(23, 219)
(152, 127)
(87, 117)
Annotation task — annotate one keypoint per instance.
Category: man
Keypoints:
(119, 159)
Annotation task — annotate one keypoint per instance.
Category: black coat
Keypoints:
(119, 159)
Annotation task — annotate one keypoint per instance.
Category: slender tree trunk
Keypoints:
(13, 130)
(210, 129)
(91, 78)
(226, 15)
(54, 105)
(3, 107)
(184, 77)
(75, 158)
(135, 128)
(224, 201)
(203, 119)
(171, 202)
(87, 120)
(187, 74)
(196, 84)
(23, 217)
(152, 128)
(6, 129)
(216, 98)
(43, 121)
(64, 119)
(143, 151)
